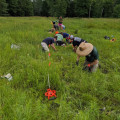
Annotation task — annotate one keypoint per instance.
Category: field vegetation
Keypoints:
(80, 95)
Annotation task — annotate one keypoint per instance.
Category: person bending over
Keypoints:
(48, 41)
(76, 41)
(90, 52)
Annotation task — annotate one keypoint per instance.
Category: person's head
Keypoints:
(84, 49)
(60, 17)
(71, 37)
(55, 38)
(53, 22)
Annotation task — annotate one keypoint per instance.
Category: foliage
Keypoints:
(65, 8)
(12, 7)
(3, 8)
(116, 12)
(45, 9)
(20, 8)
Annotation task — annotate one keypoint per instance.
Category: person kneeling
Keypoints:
(91, 54)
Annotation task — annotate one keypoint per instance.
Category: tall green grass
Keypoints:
(80, 95)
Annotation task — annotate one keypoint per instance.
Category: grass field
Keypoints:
(80, 95)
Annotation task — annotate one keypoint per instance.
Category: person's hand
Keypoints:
(77, 62)
(88, 65)
(74, 50)
(55, 50)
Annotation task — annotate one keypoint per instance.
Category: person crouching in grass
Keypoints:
(59, 40)
(76, 41)
(66, 36)
(91, 54)
(55, 26)
(48, 41)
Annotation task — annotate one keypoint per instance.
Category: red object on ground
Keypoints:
(88, 65)
(49, 54)
(49, 45)
(50, 93)
(49, 63)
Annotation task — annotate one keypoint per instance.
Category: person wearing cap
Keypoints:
(91, 54)
(48, 41)
(76, 41)
(66, 36)
(59, 40)
(57, 32)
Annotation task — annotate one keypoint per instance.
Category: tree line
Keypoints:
(65, 8)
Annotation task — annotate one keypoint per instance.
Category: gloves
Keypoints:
(77, 62)
(88, 65)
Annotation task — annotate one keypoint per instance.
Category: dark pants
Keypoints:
(60, 43)
(56, 27)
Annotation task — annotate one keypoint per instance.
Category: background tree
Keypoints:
(25, 8)
(81, 8)
(116, 11)
(97, 8)
(57, 7)
(3, 8)
(90, 6)
(65, 8)
(70, 12)
(28, 8)
(45, 9)
(12, 7)
(37, 6)
(108, 8)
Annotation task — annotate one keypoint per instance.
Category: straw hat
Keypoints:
(84, 49)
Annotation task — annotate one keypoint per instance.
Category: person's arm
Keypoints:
(74, 48)
(78, 57)
(94, 62)
(53, 46)
(77, 62)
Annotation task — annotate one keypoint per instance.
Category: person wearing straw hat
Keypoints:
(91, 54)
(76, 41)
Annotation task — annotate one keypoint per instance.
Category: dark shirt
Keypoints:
(93, 55)
(49, 40)
(65, 35)
(77, 41)
(56, 27)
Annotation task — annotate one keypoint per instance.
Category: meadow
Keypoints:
(80, 95)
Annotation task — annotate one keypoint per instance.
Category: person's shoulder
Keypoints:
(49, 38)
(75, 38)
(65, 33)
(95, 49)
